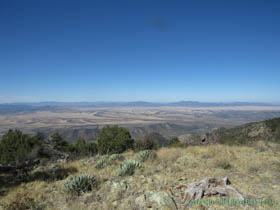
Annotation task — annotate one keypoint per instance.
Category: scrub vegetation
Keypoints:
(137, 179)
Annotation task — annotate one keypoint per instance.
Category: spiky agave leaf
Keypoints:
(80, 183)
(102, 162)
(146, 155)
(116, 157)
(128, 167)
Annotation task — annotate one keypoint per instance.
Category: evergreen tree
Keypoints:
(85, 148)
(58, 142)
(114, 140)
(16, 148)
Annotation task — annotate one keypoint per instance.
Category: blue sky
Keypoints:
(101, 50)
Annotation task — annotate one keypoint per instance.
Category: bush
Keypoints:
(114, 140)
(128, 167)
(175, 142)
(23, 202)
(83, 148)
(146, 143)
(53, 173)
(58, 142)
(16, 148)
(146, 155)
(80, 183)
(273, 124)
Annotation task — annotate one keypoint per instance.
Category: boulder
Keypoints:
(209, 187)
(156, 200)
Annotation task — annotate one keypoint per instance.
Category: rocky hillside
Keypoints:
(268, 130)
(159, 180)
(91, 133)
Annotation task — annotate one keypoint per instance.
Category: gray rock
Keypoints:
(118, 186)
(140, 201)
(161, 200)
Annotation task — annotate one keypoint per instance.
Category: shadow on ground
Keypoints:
(11, 180)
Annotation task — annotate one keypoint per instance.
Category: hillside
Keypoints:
(247, 157)
(252, 171)
(268, 130)
(91, 133)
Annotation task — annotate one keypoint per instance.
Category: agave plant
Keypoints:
(128, 167)
(146, 155)
(116, 157)
(103, 162)
(80, 183)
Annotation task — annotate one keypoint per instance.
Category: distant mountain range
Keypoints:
(134, 104)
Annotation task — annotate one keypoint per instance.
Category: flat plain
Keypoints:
(168, 121)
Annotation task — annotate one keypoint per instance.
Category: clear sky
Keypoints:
(101, 50)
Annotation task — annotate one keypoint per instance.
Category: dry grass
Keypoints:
(254, 172)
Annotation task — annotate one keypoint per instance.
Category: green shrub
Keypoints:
(58, 142)
(16, 148)
(80, 183)
(175, 142)
(53, 173)
(128, 167)
(114, 140)
(146, 155)
(147, 142)
(102, 162)
(273, 124)
(82, 148)
(23, 202)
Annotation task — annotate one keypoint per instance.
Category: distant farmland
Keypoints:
(168, 121)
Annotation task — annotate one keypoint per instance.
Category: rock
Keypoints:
(209, 187)
(163, 200)
(115, 203)
(119, 186)
(156, 200)
(140, 201)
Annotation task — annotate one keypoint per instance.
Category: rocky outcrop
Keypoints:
(123, 193)
(209, 187)
(268, 130)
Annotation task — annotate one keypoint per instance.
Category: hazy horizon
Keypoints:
(140, 101)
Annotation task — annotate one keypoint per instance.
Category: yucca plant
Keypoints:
(146, 155)
(80, 183)
(102, 162)
(128, 167)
